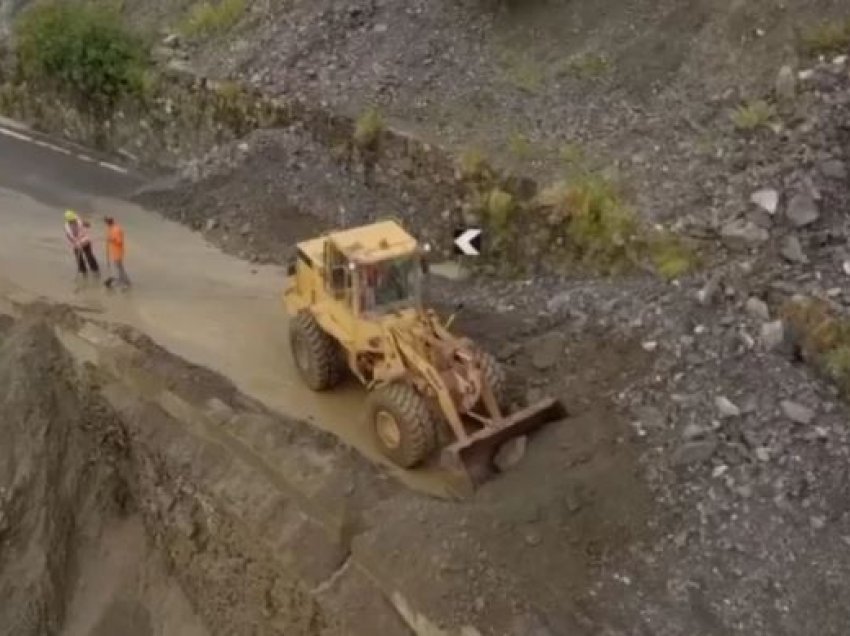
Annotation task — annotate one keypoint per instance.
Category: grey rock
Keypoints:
(786, 84)
(726, 408)
(772, 335)
(797, 413)
(708, 292)
(792, 251)
(762, 454)
(245, 230)
(834, 169)
(742, 234)
(210, 225)
(559, 302)
(802, 210)
(510, 453)
(695, 452)
(693, 432)
(546, 351)
(767, 199)
(757, 308)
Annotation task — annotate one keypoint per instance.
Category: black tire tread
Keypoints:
(418, 436)
(327, 369)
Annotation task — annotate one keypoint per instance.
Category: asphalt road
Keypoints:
(207, 307)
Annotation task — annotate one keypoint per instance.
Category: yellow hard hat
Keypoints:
(70, 215)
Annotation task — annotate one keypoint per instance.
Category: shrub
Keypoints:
(753, 115)
(827, 37)
(822, 335)
(499, 207)
(368, 128)
(670, 256)
(604, 232)
(82, 50)
(207, 18)
(472, 164)
(599, 227)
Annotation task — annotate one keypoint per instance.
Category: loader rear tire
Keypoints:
(316, 354)
(494, 375)
(404, 428)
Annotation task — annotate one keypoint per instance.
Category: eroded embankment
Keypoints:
(259, 525)
(98, 445)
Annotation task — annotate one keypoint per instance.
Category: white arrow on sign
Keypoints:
(464, 241)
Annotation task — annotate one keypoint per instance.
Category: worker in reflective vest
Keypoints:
(77, 234)
(115, 253)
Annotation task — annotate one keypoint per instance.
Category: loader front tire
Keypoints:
(316, 354)
(404, 429)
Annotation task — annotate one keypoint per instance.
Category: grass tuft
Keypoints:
(522, 72)
(368, 128)
(472, 164)
(671, 256)
(828, 37)
(499, 206)
(206, 18)
(753, 115)
(585, 66)
(822, 335)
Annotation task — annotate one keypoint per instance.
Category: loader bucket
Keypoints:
(471, 460)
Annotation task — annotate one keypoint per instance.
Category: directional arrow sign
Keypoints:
(468, 241)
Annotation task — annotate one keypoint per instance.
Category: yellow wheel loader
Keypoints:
(354, 298)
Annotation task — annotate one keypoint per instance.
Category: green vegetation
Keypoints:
(230, 92)
(522, 71)
(368, 129)
(822, 335)
(599, 228)
(585, 66)
(499, 207)
(832, 36)
(83, 51)
(603, 232)
(572, 154)
(753, 115)
(520, 146)
(207, 18)
(472, 164)
(670, 255)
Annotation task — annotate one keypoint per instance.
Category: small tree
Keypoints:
(81, 50)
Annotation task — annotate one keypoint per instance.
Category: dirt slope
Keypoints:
(73, 559)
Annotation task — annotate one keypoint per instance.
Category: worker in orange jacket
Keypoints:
(115, 253)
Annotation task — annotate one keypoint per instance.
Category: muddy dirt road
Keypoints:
(212, 309)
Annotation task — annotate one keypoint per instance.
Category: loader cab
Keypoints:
(374, 271)
(389, 286)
